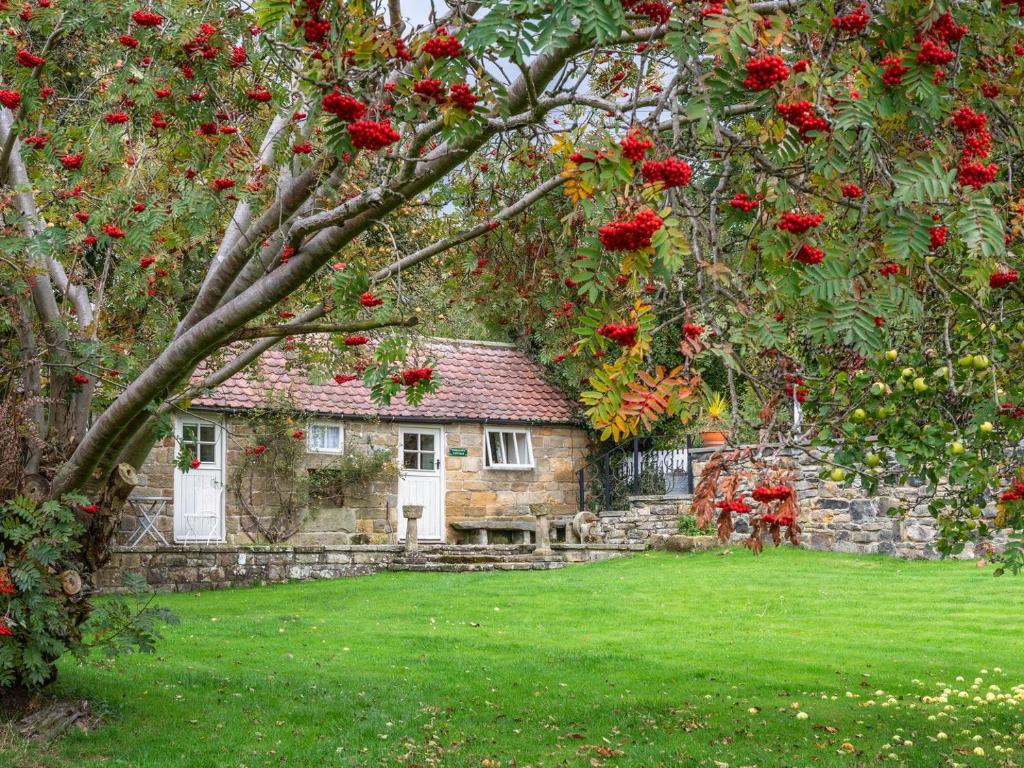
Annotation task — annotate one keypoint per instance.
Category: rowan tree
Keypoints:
(187, 185)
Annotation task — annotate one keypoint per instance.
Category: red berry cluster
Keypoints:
(743, 202)
(28, 59)
(463, 97)
(938, 235)
(255, 450)
(10, 99)
(764, 72)
(947, 30)
(894, 70)
(430, 89)
(808, 254)
(315, 30)
(975, 174)
(796, 388)
(854, 22)
(630, 234)
(659, 13)
(801, 114)
(90, 509)
(368, 300)
(113, 231)
(634, 146)
(779, 518)
(1012, 411)
(769, 493)
(415, 376)
(346, 107)
(147, 18)
(80, 379)
(670, 172)
(6, 587)
(442, 45)
(692, 331)
(713, 8)
(356, 340)
(798, 223)
(367, 134)
(5, 630)
(935, 52)
(739, 506)
(147, 261)
(889, 268)
(622, 334)
(851, 190)
(219, 185)
(260, 94)
(344, 378)
(1002, 279)
(200, 44)
(1016, 493)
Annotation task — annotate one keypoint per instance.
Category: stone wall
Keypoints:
(472, 490)
(834, 517)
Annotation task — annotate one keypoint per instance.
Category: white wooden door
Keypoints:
(421, 459)
(199, 493)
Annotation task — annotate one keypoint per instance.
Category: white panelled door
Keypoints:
(421, 459)
(199, 493)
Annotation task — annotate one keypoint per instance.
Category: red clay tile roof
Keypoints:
(480, 381)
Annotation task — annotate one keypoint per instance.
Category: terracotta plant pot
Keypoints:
(714, 439)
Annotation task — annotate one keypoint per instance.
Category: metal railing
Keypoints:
(635, 468)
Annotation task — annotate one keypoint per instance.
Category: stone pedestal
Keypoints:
(540, 511)
(412, 514)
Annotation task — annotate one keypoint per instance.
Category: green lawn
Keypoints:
(658, 659)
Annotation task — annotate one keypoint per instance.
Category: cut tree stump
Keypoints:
(55, 718)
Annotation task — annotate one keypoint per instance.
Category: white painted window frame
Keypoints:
(505, 467)
(340, 426)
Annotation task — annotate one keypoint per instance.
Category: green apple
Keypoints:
(920, 385)
(881, 412)
(859, 415)
(837, 475)
(966, 361)
(980, 362)
(891, 355)
(956, 448)
(878, 388)
(941, 373)
(907, 373)
(872, 460)
(985, 426)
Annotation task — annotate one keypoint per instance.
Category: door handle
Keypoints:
(437, 464)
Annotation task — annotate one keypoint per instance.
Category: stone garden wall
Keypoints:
(834, 517)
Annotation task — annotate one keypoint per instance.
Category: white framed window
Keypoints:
(507, 448)
(325, 437)
(199, 439)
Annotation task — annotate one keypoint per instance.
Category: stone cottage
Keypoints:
(495, 438)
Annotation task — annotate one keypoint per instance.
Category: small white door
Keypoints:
(421, 459)
(199, 493)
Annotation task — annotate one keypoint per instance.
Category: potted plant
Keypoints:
(715, 424)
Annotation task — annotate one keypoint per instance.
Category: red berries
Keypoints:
(1002, 279)
(128, 41)
(28, 60)
(430, 89)
(975, 174)
(634, 147)
(802, 115)
(80, 379)
(90, 509)
(116, 118)
(302, 149)
(808, 254)
(621, 333)
(195, 464)
(659, 13)
(344, 378)
(670, 172)
(260, 94)
(347, 108)
(692, 331)
(442, 45)
(158, 122)
(935, 53)
(255, 450)
(5, 629)
(298, 434)
(463, 97)
(966, 120)
(743, 202)
(220, 184)
(356, 340)
(938, 236)
(147, 18)
(977, 144)
(889, 268)
(769, 493)
(738, 505)
(947, 30)
(416, 375)
(10, 99)
(851, 190)
(764, 72)
(894, 70)
(113, 231)
(367, 134)
(369, 301)
(146, 261)
(798, 223)
(632, 234)
(854, 22)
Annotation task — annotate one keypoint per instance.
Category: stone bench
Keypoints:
(520, 530)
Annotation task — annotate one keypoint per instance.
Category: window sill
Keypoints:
(512, 468)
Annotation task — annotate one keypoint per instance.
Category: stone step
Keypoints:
(472, 567)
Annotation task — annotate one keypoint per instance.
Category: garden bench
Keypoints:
(520, 529)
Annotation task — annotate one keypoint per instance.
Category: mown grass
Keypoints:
(653, 660)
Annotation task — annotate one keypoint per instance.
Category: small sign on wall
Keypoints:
(458, 451)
